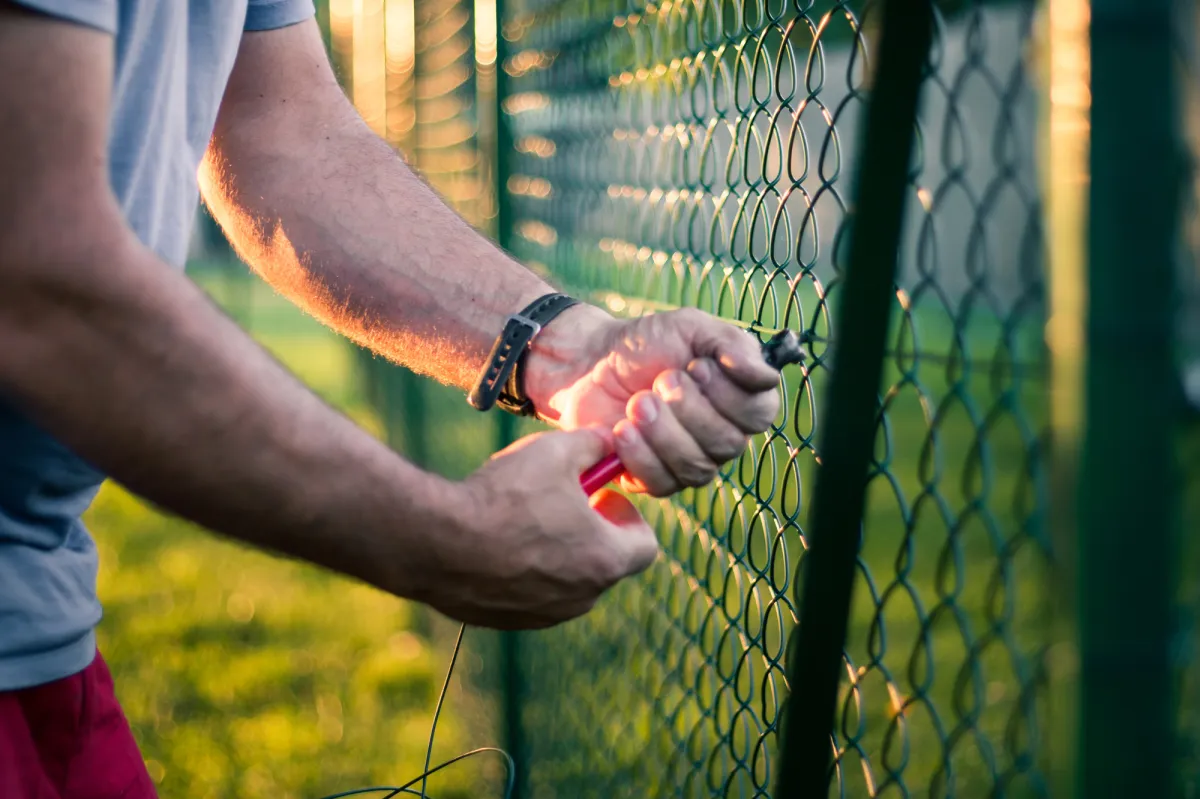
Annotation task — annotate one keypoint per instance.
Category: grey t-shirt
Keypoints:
(173, 58)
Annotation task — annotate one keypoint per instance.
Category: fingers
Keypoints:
(749, 412)
(546, 552)
(736, 351)
(719, 438)
(660, 451)
(612, 522)
(646, 471)
(677, 436)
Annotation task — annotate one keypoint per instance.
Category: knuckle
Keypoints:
(609, 569)
(765, 409)
(695, 471)
(662, 486)
(673, 389)
(691, 315)
(730, 445)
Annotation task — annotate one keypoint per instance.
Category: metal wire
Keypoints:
(701, 153)
(390, 791)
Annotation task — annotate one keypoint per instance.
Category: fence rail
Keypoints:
(652, 155)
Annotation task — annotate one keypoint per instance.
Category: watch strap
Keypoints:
(500, 380)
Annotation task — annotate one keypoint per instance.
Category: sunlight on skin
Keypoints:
(272, 254)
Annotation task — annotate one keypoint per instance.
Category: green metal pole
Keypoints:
(867, 295)
(1128, 500)
(1066, 144)
(512, 677)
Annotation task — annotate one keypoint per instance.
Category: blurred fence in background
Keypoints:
(703, 153)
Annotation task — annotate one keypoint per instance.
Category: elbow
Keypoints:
(56, 271)
(50, 249)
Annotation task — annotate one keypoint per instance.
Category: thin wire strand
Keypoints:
(437, 711)
(405, 788)
(510, 766)
(375, 789)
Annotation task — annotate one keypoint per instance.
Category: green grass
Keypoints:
(247, 676)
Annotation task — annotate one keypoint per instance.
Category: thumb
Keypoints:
(736, 351)
(579, 449)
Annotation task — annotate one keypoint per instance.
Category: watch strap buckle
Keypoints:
(499, 381)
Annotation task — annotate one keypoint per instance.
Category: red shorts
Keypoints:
(68, 739)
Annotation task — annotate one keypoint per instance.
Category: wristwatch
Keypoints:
(500, 381)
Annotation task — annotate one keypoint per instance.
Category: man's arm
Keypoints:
(328, 214)
(331, 216)
(126, 361)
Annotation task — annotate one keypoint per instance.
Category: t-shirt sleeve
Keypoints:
(263, 15)
(100, 14)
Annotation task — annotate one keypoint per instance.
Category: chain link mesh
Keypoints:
(701, 153)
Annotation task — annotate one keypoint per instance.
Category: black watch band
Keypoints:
(500, 382)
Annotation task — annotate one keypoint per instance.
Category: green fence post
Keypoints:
(1066, 142)
(868, 292)
(512, 683)
(1128, 500)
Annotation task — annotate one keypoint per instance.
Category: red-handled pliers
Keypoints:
(779, 350)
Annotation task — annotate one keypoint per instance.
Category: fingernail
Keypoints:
(645, 410)
(625, 432)
(668, 386)
(701, 371)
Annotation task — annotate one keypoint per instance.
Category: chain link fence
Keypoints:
(702, 153)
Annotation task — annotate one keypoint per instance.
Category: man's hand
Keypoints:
(682, 390)
(525, 548)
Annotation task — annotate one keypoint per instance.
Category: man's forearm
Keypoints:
(126, 361)
(339, 224)
(331, 216)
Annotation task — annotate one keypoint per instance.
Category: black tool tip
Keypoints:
(783, 348)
